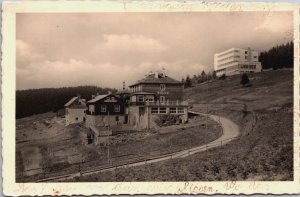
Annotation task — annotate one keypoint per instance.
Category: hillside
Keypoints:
(38, 101)
(269, 88)
(264, 113)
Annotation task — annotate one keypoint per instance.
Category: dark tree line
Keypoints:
(37, 101)
(196, 79)
(281, 56)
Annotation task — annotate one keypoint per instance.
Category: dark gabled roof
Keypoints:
(100, 97)
(71, 101)
(160, 79)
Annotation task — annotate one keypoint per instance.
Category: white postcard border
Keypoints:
(8, 104)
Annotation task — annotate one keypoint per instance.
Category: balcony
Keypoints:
(167, 103)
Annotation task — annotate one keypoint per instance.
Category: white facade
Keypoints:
(75, 110)
(236, 61)
(75, 115)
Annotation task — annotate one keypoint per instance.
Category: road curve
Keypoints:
(230, 132)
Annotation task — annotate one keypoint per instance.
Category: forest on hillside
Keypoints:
(37, 101)
(280, 56)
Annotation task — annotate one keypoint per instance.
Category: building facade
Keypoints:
(75, 110)
(105, 110)
(236, 61)
(154, 96)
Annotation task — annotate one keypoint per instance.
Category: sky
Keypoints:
(105, 49)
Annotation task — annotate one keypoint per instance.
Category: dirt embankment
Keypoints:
(46, 148)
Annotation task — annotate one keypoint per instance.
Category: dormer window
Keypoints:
(162, 87)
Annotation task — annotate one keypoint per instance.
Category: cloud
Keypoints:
(133, 43)
(68, 49)
(26, 54)
(275, 23)
(75, 72)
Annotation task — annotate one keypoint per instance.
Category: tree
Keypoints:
(214, 75)
(37, 101)
(245, 80)
(182, 80)
(188, 82)
(280, 56)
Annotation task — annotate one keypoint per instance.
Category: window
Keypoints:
(162, 99)
(91, 108)
(149, 99)
(76, 118)
(173, 110)
(162, 110)
(246, 57)
(140, 98)
(154, 110)
(180, 110)
(103, 108)
(254, 57)
(246, 52)
(162, 87)
(117, 108)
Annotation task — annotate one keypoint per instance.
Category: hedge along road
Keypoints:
(230, 132)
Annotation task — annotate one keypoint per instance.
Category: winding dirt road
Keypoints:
(230, 132)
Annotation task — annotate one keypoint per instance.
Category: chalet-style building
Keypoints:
(155, 95)
(105, 110)
(149, 100)
(75, 110)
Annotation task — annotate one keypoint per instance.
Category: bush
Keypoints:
(167, 120)
(223, 77)
(245, 80)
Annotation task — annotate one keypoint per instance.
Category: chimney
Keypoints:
(123, 85)
(156, 74)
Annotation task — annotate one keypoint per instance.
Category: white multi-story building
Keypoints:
(236, 61)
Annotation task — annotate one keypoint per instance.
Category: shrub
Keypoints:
(167, 120)
(223, 77)
(245, 80)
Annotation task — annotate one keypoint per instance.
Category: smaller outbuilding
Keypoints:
(75, 110)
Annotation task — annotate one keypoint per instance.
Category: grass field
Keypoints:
(46, 148)
(264, 113)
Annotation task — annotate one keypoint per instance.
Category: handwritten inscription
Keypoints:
(191, 188)
(125, 188)
(231, 186)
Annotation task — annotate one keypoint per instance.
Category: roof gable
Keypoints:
(71, 101)
(101, 97)
(157, 80)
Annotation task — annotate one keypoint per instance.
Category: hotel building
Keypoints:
(236, 61)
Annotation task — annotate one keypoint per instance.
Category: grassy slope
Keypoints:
(265, 150)
(59, 153)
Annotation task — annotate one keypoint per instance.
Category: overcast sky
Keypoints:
(105, 49)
